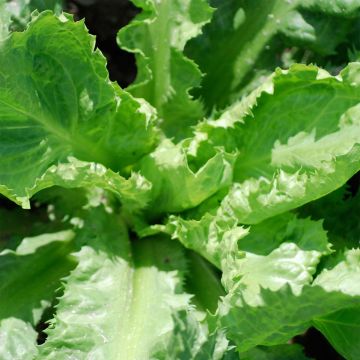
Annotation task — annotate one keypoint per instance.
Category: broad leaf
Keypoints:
(294, 248)
(281, 313)
(114, 300)
(342, 329)
(299, 142)
(134, 192)
(56, 101)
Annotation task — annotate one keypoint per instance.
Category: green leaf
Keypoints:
(281, 313)
(16, 223)
(232, 43)
(344, 276)
(294, 249)
(21, 10)
(113, 300)
(212, 236)
(265, 237)
(172, 167)
(193, 340)
(165, 75)
(4, 21)
(334, 7)
(134, 192)
(279, 352)
(315, 31)
(342, 329)
(340, 213)
(204, 282)
(17, 339)
(282, 167)
(33, 272)
(29, 277)
(56, 101)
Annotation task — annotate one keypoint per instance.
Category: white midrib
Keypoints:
(134, 341)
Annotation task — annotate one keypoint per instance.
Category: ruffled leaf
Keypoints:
(56, 101)
(193, 340)
(281, 313)
(282, 167)
(133, 192)
(113, 299)
(165, 75)
(171, 168)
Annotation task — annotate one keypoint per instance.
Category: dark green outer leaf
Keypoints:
(342, 329)
(231, 44)
(56, 101)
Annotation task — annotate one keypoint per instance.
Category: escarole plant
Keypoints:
(201, 213)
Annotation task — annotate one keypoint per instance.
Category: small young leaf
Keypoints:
(165, 75)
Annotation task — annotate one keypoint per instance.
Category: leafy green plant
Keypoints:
(202, 213)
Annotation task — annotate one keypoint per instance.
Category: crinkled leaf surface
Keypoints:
(211, 236)
(117, 297)
(134, 191)
(4, 20)
(294, 249)
(191, 340)
(169, 170)
(282, 314)
(56, 101)
(17, 339)
(165, 75)
(257, 36)
(271, 233)
(298, 142)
